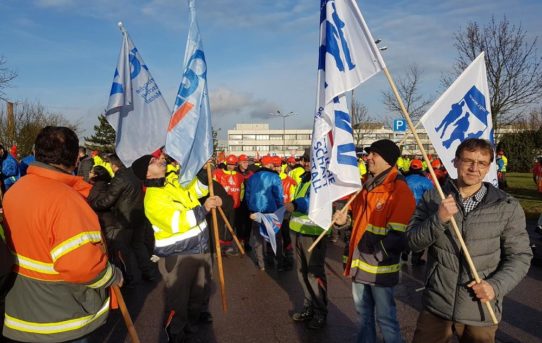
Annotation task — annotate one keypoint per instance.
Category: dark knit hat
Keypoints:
(140, 166)
(388, 150)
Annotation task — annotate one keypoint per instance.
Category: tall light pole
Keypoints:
(278, 113)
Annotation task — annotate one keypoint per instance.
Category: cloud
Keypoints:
(228, 102)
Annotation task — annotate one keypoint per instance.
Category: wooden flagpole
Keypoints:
(126, 315)
(343, 210)
(217, 244)
(228, 225)
(439, 189)
(408, 133)
(122, 305)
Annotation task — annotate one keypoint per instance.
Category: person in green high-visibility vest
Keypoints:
(309, 266)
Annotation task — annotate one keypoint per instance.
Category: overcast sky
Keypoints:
(261, 54)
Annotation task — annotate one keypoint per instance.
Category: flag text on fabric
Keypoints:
(348, 56)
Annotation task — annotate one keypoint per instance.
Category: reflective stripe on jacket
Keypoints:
(60, 292)
(380, 215)
(177, 218)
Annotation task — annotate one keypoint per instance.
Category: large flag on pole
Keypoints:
(462, 112)
(348, 56)
(189, 136)
(136, 109)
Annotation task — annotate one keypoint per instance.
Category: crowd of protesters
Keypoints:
(134, 224)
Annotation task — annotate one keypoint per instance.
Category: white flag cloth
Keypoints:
(348, 56)
(462, 112)
(270, 225)
(189, 138)
(136, 109)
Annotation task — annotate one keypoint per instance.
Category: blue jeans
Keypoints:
(370, 300)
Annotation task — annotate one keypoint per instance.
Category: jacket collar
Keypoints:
(493, 195)
(53, 173)
(384, 179)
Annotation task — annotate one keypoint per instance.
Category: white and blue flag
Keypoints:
(348, 56)
(462, 112)
(189, 135)
(270, 225)
(136, 109)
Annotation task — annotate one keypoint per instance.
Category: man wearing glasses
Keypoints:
(493, 226)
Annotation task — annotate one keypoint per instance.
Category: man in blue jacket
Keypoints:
(263, 194)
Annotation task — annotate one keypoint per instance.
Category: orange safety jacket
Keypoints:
(233, 183)
(60, 292)
(380, 217)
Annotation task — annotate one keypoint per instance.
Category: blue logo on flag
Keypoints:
(468, 118)
(334, 36)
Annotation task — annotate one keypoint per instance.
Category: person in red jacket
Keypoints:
(233, 183)
(61, 290)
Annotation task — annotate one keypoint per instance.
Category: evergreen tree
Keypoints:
(103, 138)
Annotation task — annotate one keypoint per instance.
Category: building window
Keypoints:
(262, 137)
(236, 137)
(303, 137)
(275, 137)
(249, 137)
(262, 148)
(248, 148)
(290, 137)
(236, 148)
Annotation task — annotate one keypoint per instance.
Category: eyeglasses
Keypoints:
(472, 163)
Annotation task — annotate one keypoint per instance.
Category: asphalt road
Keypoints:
(260, 305)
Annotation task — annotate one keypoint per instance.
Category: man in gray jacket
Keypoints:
(493, 227)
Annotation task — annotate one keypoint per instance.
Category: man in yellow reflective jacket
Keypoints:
(181, 241)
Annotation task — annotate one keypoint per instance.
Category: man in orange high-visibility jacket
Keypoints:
(61, 290)
(380, 216)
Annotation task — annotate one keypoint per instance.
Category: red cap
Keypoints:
(435, 164)
(291, 159)
(416, 165)
(266, 160)
(231, 159)
(277, 162)
(242, 158)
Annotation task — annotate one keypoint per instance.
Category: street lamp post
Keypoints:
(278, 113)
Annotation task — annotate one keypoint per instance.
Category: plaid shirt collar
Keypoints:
(472, 201)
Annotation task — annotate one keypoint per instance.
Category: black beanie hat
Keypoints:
(140, 166)
(388, 150)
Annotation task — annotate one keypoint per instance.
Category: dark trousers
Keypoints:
(139, 247)
(243, 224)
(432, 328)
(311, 272)
(122, 254)
(187, 282)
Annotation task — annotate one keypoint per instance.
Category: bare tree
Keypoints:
(6, 76)
(513, 67)
(30, 118)
(408, 86)
(360, 115)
